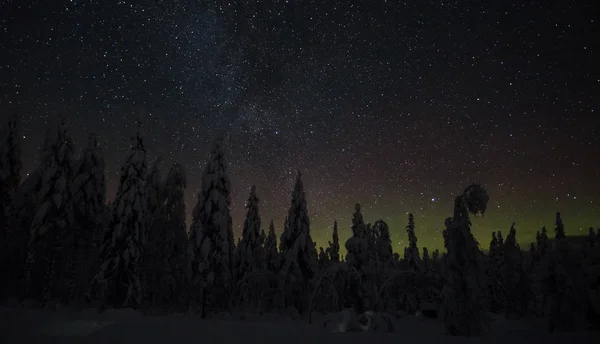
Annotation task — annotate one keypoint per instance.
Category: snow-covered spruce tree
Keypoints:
(119, 282)
(323, 259)
(156, 277)
(357, 245)
(463, 305)
(51, 250)
(411, 253)
(211, 235)
(271, 254)
(334, 246)
(254, 279)
(363, 264)
(89, 196)
(298, 251)
(559, 229)
(383, 243)
(494, 270)
(164, 263)
(560, 278)
(176, 235)
(514, 276)
(500, 239)
(154, 192)
(249, 247)
(426, 257)
(10, 178)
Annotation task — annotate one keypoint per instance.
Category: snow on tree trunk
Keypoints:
(10, 178)
(51, 250)
(89, 195)
(119, 281)
(211, 234)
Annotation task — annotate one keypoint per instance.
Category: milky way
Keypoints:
(398, 106)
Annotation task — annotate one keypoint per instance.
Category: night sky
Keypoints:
(396, 105)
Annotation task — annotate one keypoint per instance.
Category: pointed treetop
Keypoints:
(559, 230)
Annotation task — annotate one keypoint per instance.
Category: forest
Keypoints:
(62, 243)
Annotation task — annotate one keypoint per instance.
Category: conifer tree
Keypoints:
(10, 178)
(119, 281)
(50, 258)
(425, 254)
(154, 266)
(513, 275)
(211, 232)
(463, 306)
(559, 229)
(270, 249)
(493, 244)
(297, 248)
(250, 246)
(89, 196)
(176, 233)
(542, 242)
(383, 241)
(357, 245)
(334, 246)
(500, 239)
(155, 193)
(323, 258)
(436, 254)
(411, 253)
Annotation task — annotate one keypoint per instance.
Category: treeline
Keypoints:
(62, 243)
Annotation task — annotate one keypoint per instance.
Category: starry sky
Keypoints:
(396, 105)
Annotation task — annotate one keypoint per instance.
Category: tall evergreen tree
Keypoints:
(463, 306)
(270, 248)
(559, 229)
(155, 193)
(513, 275)
(158, 283)
(426, 254)
(493, 244)
(50, 258)
(383, 241)
(334, 246)
(164, 263)
(250, 247)
(211, 232)
(357, 245)
(297, 247)
(119, 281)
(176, 233)
(89, 196)
(411, 253)
(10, 178)
(542, 242)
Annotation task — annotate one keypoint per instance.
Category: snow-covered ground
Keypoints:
(19, 325)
